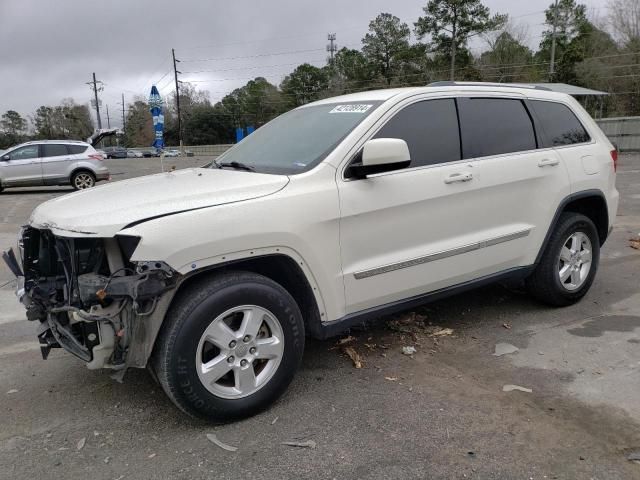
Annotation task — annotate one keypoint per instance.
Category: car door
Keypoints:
(56, 163)
(522, 184)
(415, 230)
(21, 167)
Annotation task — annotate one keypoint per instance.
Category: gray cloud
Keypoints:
(50, 48)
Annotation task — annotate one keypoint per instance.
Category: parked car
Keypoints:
(150, 153)
(115, 152)
(171, 153)
(333, 214)
(52, 162)
(134, 154)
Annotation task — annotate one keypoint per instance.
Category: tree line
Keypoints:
(603, 55)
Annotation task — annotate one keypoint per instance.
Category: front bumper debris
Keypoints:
(89, 298)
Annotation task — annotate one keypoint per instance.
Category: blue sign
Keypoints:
(155, 105)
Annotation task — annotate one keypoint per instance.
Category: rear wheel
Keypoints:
(230, 346)
(569, 263)
(83, 179)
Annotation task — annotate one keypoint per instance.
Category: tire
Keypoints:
(545, 283)
(183, 352)
(83, 179)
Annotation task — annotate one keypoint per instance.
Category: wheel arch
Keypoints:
(590, 203)
(81, 168)
(282, 269)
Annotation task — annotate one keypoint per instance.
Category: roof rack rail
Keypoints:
(450, 83)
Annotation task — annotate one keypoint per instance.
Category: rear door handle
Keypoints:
(459, 177)
(548, 162)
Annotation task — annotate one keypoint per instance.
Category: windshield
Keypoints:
(297, 140)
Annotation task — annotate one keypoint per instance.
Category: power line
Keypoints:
(285, 37)
(245, 68)
(160, 79)
(220, 59)
(150, 82)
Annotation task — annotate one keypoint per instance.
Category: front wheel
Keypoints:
(230, 346)
(569, 263)
(83, 179)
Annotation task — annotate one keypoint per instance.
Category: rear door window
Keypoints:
(494, 126)
(430, 129)
(559, 124)
(54, 150)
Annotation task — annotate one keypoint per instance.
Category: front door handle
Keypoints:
(459, 177)
(548, 162)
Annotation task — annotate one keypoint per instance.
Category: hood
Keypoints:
(105, 210)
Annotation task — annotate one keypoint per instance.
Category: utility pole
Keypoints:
(96, 88)
(108, 120)
(175, 74)
(332, 48)
(124, 119)
(553, 42)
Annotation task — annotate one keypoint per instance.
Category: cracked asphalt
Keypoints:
(440, 413)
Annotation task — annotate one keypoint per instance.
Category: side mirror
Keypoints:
(5, 158)
(381, 155)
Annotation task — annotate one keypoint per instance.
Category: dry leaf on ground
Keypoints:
(443, 332)
(634, 243)
(345, 340)
(410, 350)
(354, 356)
(511, 388)
(307, 444)
(213, 439)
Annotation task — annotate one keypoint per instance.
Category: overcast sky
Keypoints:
(49, 48)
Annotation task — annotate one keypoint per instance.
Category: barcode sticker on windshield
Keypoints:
(351, 108)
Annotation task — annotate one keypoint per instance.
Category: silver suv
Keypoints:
(52, 162)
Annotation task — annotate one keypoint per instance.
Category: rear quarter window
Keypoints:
(76, 149)
(559, 124)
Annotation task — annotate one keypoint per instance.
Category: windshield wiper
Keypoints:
(236, 165)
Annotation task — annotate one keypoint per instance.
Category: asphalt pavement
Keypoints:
(441, 412)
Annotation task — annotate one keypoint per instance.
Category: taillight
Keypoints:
(614, 157)
(95, 156)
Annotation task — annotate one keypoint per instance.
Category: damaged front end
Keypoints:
(89, 298)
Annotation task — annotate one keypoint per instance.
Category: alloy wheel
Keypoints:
(83, 180)
(575, 260)
(239, 351)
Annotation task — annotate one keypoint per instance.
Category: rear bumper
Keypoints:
(103, 176)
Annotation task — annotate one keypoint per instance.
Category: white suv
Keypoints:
(335, 213)
(52, 162)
